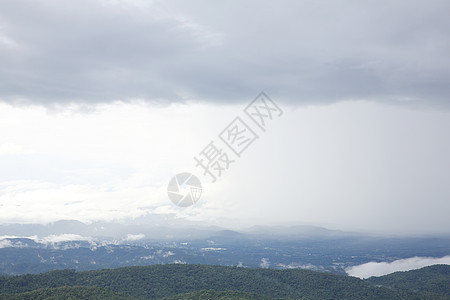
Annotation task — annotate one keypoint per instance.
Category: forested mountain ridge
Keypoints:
(68, 292)
(432, 279)
(176, 281)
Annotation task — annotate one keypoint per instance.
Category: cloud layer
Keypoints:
(383, 268)
(299, 51)
(353, 166)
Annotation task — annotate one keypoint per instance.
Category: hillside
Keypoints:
(432, 279)
(20, 256)
(198, 282)
(68, 292)
(213, 295)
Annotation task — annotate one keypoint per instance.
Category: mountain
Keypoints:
(211, 282)
(73, 245)
(153, 228)
(297, 232)
(158, 228)
(216, 295)
(432, 279)
(68, 292)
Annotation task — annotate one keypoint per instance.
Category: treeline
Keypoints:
(68, 292)
(203, 282)
(429, 280)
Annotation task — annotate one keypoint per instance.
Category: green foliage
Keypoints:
(433, 279)
(68, 292)
(217, 295)
(202, 282)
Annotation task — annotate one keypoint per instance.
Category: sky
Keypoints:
(103, 102)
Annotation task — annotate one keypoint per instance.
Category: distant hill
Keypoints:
(432, 279)
(278, 248)
(210, 282)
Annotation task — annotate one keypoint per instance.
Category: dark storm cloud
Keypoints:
(301, 51)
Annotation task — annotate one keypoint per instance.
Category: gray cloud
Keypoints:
(300, 51)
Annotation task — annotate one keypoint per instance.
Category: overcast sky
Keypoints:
(102, 102)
